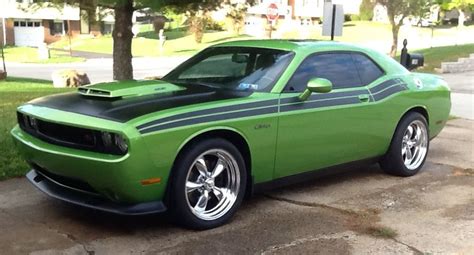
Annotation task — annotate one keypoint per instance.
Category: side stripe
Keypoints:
(385, 85)
(320, 103)
(223, 116)
(377, 93)
(325, 96)
(388, 92)
(209, 111)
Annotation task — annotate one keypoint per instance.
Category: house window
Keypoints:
(56, 27)
(107, 28)
(27, 23)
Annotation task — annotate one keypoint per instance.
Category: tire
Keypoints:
(411, 138)
(202, 195)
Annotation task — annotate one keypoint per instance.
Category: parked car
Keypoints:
(236, 118)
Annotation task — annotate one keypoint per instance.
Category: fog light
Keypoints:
(121, 143)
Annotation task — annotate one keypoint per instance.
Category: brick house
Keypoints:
(23, 26)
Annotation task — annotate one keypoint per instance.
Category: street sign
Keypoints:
(272, 12)
(333, 19)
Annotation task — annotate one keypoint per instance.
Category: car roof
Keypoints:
(306, 47)
(293, 45)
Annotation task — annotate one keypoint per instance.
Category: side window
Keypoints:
(368, 70)
(339, 68)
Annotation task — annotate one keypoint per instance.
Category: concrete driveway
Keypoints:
(462, 94)
(362, 211)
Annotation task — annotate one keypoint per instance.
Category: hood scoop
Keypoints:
(124, 89)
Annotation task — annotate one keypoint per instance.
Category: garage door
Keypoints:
(28, 33)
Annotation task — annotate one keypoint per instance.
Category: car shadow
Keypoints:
(111, 223)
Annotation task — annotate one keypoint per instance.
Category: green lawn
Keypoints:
(13, 92)
(434, 56)
(179, 42)
(30, 55)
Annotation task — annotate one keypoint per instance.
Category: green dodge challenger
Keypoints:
(235, 118)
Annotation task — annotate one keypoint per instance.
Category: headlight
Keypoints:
(106, 139)
(114, 143)
(121, 143)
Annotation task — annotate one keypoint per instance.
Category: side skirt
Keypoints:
(311, 175)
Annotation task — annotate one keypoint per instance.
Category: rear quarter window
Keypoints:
(368, 70)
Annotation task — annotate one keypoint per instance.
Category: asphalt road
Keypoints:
(349, 213)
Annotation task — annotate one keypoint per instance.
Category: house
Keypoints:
(295, 13)
(23, 25)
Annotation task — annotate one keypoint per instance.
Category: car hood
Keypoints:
(124, 101)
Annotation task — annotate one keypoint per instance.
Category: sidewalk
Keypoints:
(85, 54)
(462, 94)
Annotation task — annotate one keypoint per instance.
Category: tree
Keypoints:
(197, 14)
(235, 13)
(4, 71)
(366, 10)
(122, 34)
(397, 11)
(461, 5)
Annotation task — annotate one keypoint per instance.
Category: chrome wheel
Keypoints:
(212, 184)
(414, 145)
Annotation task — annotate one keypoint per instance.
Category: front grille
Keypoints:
(65, 181)
(63, 135)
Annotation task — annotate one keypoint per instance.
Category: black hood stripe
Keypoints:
(126, 109)
(383, 91)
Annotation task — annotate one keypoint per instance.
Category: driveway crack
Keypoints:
(310, 204)
(412, 248)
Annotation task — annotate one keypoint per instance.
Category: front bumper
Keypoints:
(90, 200)
(117, 178)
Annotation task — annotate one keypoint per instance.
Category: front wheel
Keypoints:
(208, 185)
(409, 146)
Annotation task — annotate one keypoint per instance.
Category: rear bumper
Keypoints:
(89, 199)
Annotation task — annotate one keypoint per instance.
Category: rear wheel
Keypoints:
(209, 184)
(409, 146)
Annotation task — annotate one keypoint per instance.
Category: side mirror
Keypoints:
(316, 85)
(414, 60)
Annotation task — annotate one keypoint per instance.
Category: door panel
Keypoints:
(327, 129)
(338, 127)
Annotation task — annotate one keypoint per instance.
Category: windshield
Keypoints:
(235, 68)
